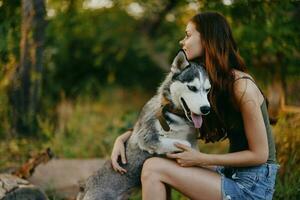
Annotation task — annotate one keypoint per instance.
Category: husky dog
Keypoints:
(172, 115)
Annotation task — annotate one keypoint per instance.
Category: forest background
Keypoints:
(75, 73)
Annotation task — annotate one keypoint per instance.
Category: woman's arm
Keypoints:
(125, 136)
(250, 98)
(119, 150)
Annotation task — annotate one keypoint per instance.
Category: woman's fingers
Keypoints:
(182, 146)
(113, 166)
(117, 167)
(113, 161)
(173, 155)
(123, 157)
(118, 150)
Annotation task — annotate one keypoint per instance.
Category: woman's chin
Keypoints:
(194, 59)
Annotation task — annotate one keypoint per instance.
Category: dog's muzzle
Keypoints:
(193, 117)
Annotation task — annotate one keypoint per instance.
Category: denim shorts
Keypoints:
(256, 182)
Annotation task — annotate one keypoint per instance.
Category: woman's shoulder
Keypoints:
(237, 74)
(242, 81)
(245, 88)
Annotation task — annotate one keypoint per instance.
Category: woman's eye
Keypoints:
(192, 88)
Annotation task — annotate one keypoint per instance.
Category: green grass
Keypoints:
(287, 136)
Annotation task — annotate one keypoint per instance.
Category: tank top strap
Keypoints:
(247, 77)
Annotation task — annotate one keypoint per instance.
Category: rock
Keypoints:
(15, 188)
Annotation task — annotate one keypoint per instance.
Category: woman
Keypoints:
(239, 113)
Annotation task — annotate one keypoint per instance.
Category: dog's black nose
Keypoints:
(204, 110)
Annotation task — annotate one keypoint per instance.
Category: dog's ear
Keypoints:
(180, 62)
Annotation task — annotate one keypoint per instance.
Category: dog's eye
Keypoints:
(192, 88)
(207, 90)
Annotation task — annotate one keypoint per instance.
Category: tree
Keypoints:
(25, 90)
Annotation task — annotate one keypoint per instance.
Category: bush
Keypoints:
(287, 137)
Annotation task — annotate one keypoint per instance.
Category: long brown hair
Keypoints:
(220, 57)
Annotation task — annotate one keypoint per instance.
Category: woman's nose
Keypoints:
(181, 42)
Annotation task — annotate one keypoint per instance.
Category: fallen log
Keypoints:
(62, 176)
(27, 169)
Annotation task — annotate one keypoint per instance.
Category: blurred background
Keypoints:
(74, 74)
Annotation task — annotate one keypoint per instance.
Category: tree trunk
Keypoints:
(148, 28)
(25, 90)
(275, 98)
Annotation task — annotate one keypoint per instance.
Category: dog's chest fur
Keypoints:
(148, 133)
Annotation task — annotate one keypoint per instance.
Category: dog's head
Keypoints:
(189, 88)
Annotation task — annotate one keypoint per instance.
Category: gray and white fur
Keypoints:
(186, 88)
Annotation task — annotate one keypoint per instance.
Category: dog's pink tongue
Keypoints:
(197, 119)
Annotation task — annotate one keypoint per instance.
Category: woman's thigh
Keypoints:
(194, 182)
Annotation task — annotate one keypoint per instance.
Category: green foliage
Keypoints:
(9, 31)
(9, 52)
(267, 34)
(137, 195)
(101, 47)
(287, 132)
(90, 51)
(91, 123)
(90, 48)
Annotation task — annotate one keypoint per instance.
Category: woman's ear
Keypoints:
(180, 62)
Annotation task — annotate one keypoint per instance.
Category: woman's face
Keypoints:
(191, 43)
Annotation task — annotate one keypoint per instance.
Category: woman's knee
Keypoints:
(152, 168)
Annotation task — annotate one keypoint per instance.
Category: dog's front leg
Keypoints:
(166, 145)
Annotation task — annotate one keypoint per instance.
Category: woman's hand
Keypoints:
(119, 150)
(189, 157)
